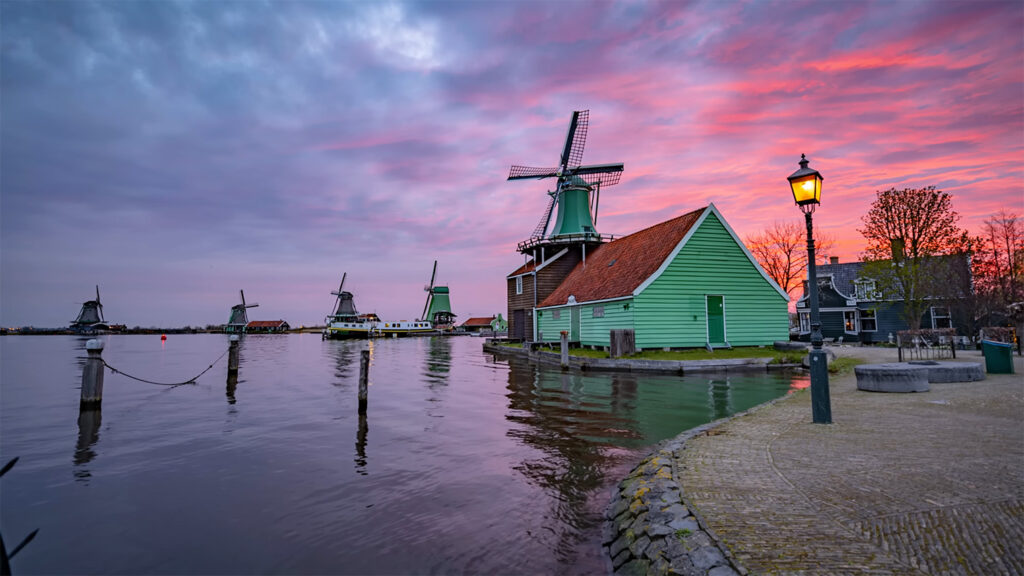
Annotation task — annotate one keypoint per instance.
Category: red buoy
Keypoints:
(163, 337)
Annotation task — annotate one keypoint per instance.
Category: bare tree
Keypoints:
(781, 249)
(1001, 259)
(910, 232)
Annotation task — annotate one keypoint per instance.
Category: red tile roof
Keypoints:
(528, 267)
(482, 321)
(265, 324)
(617, 268)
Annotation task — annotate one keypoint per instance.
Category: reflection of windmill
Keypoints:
(344, 305)
(577, 207)
(438, 308)
(239, 318)
(90, 317)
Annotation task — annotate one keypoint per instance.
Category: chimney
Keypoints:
(833, 260)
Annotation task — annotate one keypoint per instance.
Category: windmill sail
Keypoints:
(577, 208)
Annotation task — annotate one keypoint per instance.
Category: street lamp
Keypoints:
(806, 185)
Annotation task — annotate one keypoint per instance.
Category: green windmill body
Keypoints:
(438, 308)
(574, 215)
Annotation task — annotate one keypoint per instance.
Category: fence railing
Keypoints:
(938, 344)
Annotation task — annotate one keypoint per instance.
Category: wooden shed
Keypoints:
(684, 283)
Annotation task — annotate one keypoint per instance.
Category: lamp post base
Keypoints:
(821, 404)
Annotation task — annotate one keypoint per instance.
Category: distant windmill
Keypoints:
(438, 308)
(344, 305)
(239, 318)
(90, 317)
(577, 208)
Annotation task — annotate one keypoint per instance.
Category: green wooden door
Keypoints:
(574, 325)
(716, 319)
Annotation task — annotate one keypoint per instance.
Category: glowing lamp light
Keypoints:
(806, 185)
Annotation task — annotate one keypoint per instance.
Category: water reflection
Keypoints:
(361, 445)
(88, 436)
(232, 384)
(719, 398)
(568, 419)
(439, 359)
(345, 353)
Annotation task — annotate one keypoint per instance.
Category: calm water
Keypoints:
(464, 463)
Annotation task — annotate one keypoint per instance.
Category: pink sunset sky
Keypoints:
(175, 153)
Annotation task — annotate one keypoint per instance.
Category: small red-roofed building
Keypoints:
(477, 324)
(687, 282)
(267, 326)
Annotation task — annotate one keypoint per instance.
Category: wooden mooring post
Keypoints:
(364, 379)
(92, 377)
(233, 355)
(565, 350)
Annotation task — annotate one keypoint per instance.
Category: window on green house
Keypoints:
(598, 311)
(556, 314)
(868, 321)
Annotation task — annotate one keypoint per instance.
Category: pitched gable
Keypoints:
(617, 268)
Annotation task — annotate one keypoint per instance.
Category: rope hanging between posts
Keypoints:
(189, 381)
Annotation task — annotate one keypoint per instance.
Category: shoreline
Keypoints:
(745, 494)
(680, 367)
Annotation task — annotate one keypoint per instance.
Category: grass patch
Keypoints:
(788, 357)
(580, 352)
(683, 532)
(843, 366)
(777, 356)
(703, 354)
(510, 344)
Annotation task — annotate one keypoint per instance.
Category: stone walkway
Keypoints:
(927, 483)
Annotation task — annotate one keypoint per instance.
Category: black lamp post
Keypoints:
(806, 185)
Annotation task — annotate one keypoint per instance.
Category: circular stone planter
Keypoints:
(939, 372)
(894, 377)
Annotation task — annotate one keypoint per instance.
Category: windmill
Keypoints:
(90, 317)
(239, 318)
(344, 305)
(577, 207)
(438, 308)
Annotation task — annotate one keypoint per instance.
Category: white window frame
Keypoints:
(948, 316)
(519, 284)
(556, 314)
(848, 323)
(872, 318)
(597, 312)
(805, 322)
(865, 290)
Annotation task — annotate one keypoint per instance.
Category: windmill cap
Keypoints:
(577, 180)
(440, 289)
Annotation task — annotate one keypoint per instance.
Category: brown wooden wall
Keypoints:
(547, 280)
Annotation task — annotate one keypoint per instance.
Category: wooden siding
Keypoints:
(547, 279)
(549, 328)
(522, 301)
(594, 331)
(671, 311)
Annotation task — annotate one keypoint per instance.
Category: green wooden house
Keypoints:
(684, 283)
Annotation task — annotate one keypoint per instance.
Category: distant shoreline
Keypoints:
(148, 331)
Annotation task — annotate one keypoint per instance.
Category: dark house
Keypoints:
(851, 307)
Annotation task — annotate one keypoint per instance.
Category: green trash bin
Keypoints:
(998, 357)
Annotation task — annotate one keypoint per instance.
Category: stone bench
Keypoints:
(939, 372)
(892, 377)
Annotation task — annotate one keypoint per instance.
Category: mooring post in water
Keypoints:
(565, 350)
(364, 379)
(233, 355)
(92, 376)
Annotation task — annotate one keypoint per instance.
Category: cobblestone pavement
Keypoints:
(925, 483)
